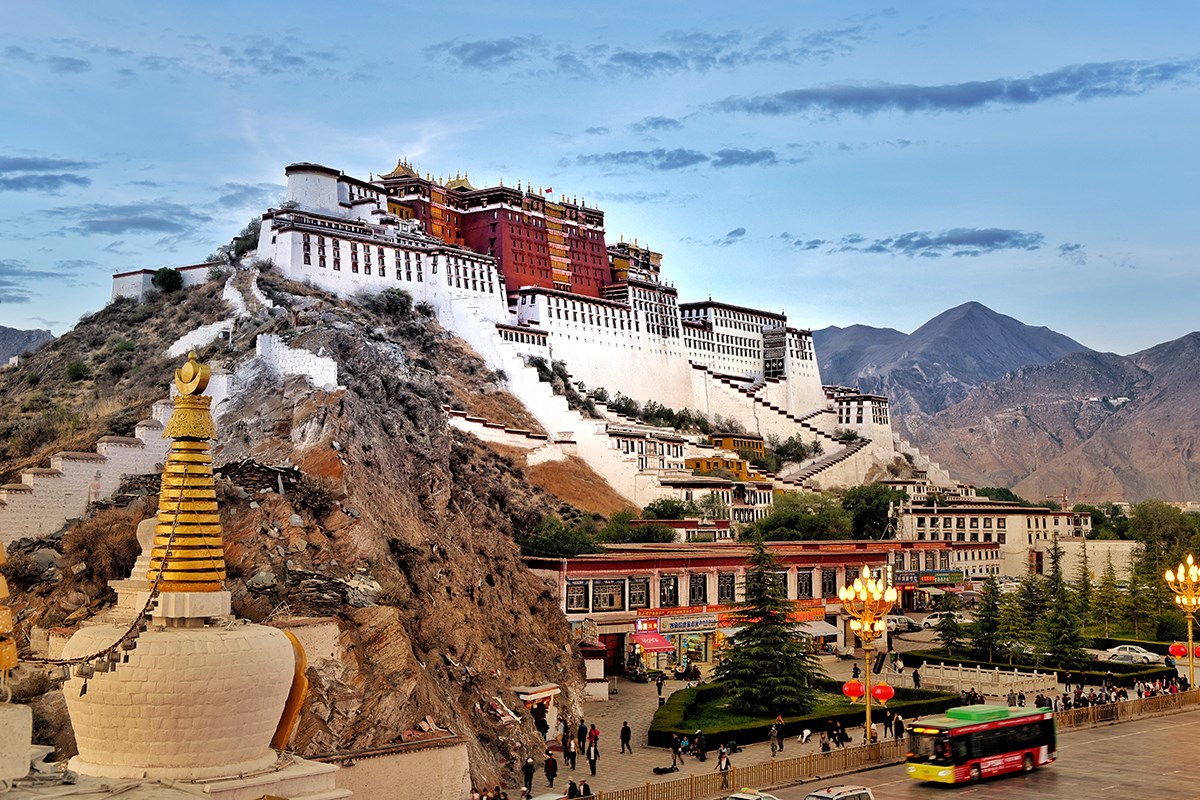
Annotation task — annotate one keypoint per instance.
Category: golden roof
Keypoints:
(460, 183)
(403, 170)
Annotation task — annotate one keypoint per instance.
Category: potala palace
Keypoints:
(519, 276)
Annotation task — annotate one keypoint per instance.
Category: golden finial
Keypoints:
(192, 377)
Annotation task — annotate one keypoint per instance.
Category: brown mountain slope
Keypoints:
(1101, 426)
(389, 496)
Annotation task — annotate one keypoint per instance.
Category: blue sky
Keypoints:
(847, 163)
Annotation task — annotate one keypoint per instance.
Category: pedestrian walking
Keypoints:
(626, 737)
(593, 736)
(898, 726)
(581, 734)
(916, 678)
(572, 788)
(585, 790)
(675, 747)
(659, 683)
(570, 754)
(854, 673)
(779, 732)
(527, 773)
(593, 755)
(550, 768)
(723, 766)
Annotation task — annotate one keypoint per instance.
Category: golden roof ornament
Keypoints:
(189, 552)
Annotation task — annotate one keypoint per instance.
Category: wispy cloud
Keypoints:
(1075, 82)
(172, 221)
(953, 242)
(678, 51)
(1073, 252)
(596, 131)
(250, 195)
(800, 243)
(17, 277)
(661, 159)
(656, 124)
(631, 197)
(733, 237)
(38, 174)
(62, 65)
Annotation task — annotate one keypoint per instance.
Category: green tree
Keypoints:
(1106, 602)
(768, 668)
(711, 506)
(1015, 629)
(986, 633)
(555, 539)
(167, 280)
(1142, 605)
(872, 509)
(1061, 631)
(1003, 494)
(620, 529)
(1084, 590)
(949, 629)
(802, 516)
(670, 508)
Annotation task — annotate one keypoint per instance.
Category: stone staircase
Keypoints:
(47, 497)
(821, 465)
(743, 388)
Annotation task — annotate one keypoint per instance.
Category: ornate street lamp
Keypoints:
(868, 602)
(1185, 583)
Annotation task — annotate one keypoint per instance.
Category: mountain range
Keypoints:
(1000, 403)
(14, 342)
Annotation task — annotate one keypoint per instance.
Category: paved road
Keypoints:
(1146, 759)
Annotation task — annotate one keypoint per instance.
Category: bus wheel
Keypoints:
(1028, 763)
(975, 774)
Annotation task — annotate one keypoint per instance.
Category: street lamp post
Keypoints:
(1185, 583)
(867, 601)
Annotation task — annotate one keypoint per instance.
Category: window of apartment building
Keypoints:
(829, 583)
(608, 595)
(804, 584)
(697, 589)
(1000, 521)
(639, 593)
(930, 560)
(726, 587)
(668, 591)
(987, 522)
(974, 522)
(577, 596)
(944, 558)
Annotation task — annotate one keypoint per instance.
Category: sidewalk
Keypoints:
(636, 703)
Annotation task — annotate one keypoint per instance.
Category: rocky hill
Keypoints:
(938, 364)
(14, 342)
(392, 525)
(1101, 426)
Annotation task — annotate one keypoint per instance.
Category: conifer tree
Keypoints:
(768, 668)
(1060, 631)
(949, 629)
(1015, 628)
(986, 634)
(1106, 604)
(1084, 590)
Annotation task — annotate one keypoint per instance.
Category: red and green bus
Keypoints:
(974, 742)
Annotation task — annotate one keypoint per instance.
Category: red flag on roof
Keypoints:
(549, 190)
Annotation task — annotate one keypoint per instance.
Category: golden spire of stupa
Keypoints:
(188, 550)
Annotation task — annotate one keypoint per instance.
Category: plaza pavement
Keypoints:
(637, 702)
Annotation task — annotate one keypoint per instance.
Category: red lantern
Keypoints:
(853, 689)
(1196, 651)
(882, 692)
(1177, 650)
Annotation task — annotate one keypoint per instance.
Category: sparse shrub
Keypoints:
(21, 572)
(315, 495)
(392, 303)
(78, 371)
(32, 378)
(424, 309)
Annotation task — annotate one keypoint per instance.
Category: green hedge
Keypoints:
(1122, 674)
(672, 717)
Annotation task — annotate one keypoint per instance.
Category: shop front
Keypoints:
(921, 590)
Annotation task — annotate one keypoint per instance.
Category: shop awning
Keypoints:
(728, 631)
(931, 591)
(818, 628)
(653, 642)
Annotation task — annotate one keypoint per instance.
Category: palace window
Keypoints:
(639, 593)
(608, 595)
(804, 584)
(668, 591)
(829, 583)
(698, 589)
(726, 587)
(577, 596)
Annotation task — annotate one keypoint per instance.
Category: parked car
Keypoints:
(1139, 653)
(901, 624)
(1122, 658)
(841, 793)
(751, 794)
(933, 619)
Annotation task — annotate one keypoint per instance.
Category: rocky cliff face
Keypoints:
(14, 342)
(394, 526)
